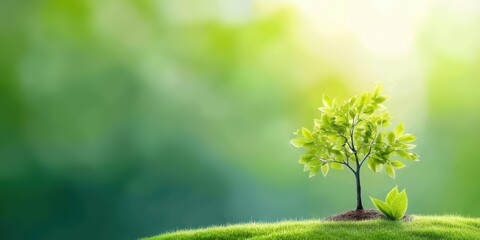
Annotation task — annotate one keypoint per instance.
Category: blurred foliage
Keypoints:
(122, 119)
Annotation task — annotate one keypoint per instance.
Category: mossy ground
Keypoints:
(421, 227)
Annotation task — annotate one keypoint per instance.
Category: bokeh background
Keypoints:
(125, 119)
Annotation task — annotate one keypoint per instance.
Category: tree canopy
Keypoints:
(350, 133)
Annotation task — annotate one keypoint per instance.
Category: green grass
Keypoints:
(421, 227)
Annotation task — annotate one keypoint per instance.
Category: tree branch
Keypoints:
(370, 149)
(348, 165)
(335, 160)
(346, 141)
(352, 130)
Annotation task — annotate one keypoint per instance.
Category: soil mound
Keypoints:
(361, 215)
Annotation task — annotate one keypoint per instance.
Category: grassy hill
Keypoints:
(421, 227)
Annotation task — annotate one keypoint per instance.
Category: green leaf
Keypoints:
(382, 207)
(337, 147)
(306, 168)
(407, 138)
(399, 205)
(307, 134)
(340, 157)
(403, 154)
(336, 166)
(406, 145)
(391, 137)
(298, 142)
(380, 99)
(399, 129)
(392, 195)
(381, 107)
(410, 146)
(305, 159)
(374, 165)
(385, 123)
(390, 171)
(369, 110)
(407, 155)
(327, 102)
(363, 98)
(413, 156)
(378, 89)
(325, 169)
(314, 170)
(351, 113)
(398, 164)
(340, 119)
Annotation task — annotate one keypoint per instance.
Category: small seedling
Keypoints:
(395, 204)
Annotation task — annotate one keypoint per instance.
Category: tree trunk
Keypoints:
(359, 191)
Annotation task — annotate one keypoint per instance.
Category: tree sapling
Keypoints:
(348, 134)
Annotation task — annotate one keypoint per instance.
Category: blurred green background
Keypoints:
(125, 119)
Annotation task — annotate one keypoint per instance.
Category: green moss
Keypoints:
(422, 227)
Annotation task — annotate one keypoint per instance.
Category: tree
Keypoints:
(348, 134)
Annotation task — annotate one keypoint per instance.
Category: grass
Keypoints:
(421, 227)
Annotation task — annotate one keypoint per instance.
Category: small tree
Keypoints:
(349, 134)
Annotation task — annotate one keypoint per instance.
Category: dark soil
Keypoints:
(362, 215)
